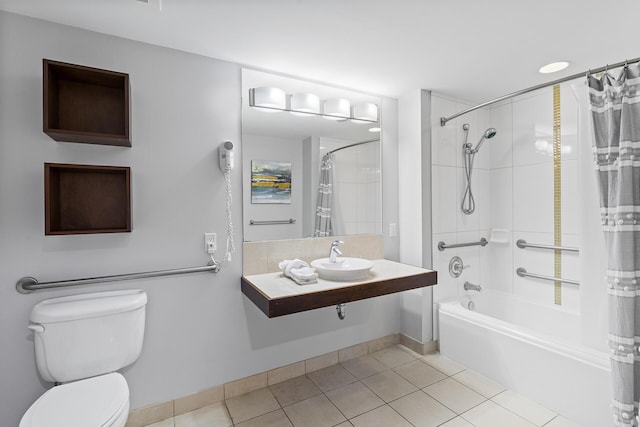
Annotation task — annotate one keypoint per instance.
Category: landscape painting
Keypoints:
(270, 181)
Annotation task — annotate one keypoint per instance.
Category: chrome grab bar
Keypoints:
(273, 222)
(521, 243)
(523, 273)
(27, 285)
(442, 245)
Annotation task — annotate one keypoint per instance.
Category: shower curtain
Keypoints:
(615, 110)
(325, 198)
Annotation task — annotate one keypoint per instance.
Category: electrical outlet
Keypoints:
(210, 243)
(393, 230)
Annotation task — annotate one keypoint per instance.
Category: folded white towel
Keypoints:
(298, 271)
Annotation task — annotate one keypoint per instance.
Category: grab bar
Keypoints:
(277, 221)
(442, 245)
(523, 273)
(521, 243)
(27, 285)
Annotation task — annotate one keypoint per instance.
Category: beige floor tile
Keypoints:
(165, 423)
(389, 386)
(527, 409)
(317, 411)
(215, 415)
(272, 419)
(422, 410)
(294, 390)
(490, 414)
(443, 363)
(354, 399)
(393, 356)
(561, 421)
(331, 378)
(457, 422)
(251, 405)
(363, 367)
(479, 383)
(419, 373)
(383, 416)
(454, 395)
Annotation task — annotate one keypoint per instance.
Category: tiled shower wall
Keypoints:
(513, 186)
(358, 204)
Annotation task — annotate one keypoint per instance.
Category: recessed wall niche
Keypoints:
(83, 104)
(83, 199)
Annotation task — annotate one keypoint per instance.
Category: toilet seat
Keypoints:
(94, 402)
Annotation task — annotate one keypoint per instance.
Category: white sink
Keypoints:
(343, 269)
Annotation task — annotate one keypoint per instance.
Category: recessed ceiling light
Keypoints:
(553, 67)
(374, 129)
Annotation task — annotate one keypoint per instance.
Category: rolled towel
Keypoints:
(299, 271)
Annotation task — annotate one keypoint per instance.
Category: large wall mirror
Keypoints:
(302, 168)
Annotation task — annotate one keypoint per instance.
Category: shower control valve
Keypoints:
(456, 266)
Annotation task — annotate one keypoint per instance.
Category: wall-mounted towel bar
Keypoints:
(27, 285)
(442, 245)
(273, 222)
(521, 243)
(523, 273)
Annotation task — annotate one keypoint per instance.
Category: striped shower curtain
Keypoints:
(325, 198)
(615, 110)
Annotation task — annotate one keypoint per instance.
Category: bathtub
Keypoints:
(530, 348)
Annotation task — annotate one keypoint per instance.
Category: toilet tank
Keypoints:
(85, 335)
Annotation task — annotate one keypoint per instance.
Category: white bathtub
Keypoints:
(531, 349)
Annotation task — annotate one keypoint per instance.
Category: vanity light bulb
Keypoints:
(337, 109)
(269, 99)
(305, 104)
(365, 112)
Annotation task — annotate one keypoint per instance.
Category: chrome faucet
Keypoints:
(471, 287)
(334, 252)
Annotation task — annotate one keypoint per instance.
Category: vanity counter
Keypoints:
(277, 295)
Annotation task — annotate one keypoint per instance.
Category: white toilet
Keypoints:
(80, 341)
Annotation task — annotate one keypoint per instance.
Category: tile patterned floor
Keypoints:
(393, 387)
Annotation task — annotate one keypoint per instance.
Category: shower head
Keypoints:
(488, 134)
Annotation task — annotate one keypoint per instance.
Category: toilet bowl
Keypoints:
(80, 341)
(101, 401)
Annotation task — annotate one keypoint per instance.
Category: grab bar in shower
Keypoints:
(523, 273)
(273, 222)
(27, 285)
(521, 243)
(442, 245)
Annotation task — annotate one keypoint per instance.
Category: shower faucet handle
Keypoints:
(456, 266)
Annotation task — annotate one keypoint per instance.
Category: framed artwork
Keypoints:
(270, 182)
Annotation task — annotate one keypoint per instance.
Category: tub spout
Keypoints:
(471, 287)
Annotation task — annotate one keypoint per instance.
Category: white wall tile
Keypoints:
(501, 198)
(444, 148)
(499, 273)
(447, 285)
(501, 145)
(533, 129)
(570, 193)
(533, 198)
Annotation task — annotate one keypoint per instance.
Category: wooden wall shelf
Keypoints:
(83, 104)
(82, 199)
(276, 295)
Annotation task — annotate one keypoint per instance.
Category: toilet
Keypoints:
(80, 343)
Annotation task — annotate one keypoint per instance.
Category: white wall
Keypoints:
(201, 331)
(415, 208)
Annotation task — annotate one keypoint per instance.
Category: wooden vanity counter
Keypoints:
(277, 295)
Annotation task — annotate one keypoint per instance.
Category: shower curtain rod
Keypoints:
(353, 145)
(444, 120)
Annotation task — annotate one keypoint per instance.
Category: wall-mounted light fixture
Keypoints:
(307, 104)
(270, 99)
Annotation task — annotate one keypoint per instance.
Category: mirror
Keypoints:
(282, 154)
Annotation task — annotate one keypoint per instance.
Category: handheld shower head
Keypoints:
(488, 134)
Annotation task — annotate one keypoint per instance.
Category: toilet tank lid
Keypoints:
(84, 306)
